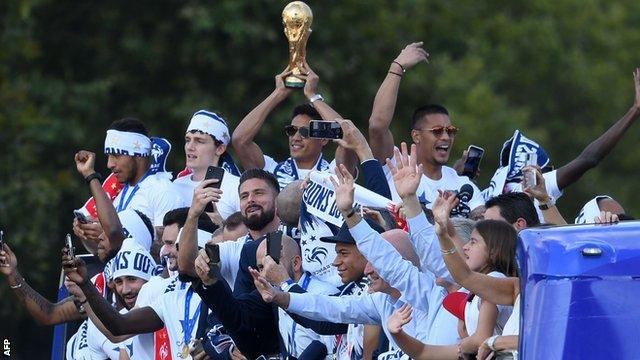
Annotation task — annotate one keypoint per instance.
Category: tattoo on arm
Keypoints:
(45, 312)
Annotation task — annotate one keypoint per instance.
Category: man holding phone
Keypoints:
(305, 152)
(205, 147)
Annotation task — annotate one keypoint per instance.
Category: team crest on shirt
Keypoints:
(318, 254)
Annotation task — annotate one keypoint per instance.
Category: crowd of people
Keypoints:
(415, 261)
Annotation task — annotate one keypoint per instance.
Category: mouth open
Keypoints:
(253, 209)
(442, 149)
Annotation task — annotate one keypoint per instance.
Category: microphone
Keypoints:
(466, 193)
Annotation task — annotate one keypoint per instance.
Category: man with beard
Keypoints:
(258, 191)
(431, 131)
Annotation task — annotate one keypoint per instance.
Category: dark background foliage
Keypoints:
(561, 71)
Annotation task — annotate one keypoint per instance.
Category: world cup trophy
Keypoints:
(296, 18)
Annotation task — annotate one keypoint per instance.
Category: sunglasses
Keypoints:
(291, 130)
(439, 130)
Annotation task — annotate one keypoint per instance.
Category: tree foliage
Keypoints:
(559, 71)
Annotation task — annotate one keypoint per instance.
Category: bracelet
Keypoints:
(490, 341)
(16, 286)
(547, 204)
(351, 213)
(95, 175)
(401, 67)
(448, 252)
(394, 73)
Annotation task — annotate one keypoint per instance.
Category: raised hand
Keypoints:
(74, 268)
(311, 80)
(445, 202)
(344, 189)
(85, 162)
(279, 79)
(272, 271)
(406, 174)
(353, 139)
(399, 318)
(202, 268)
(266, 290)
(202, 195)
(74, 289)
(539, 191)
(411, 55)
(8, 261)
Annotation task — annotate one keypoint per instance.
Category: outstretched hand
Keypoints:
(8, 261)
(85, 162)
(539, 191)
(353, 139)
(344, 188)
(203, 195)
(445, 202)
(280, 87)
(406, 174)
(266, 290)
(399, 318)
(411, 55)
(74, 267)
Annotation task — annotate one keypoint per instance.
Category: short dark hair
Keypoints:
(147, 223)
(260, 174)
(515, 205)
(306, 109)
(176, 216)
(430, 109)
(233, 221)
(129, 124)
(215, 141)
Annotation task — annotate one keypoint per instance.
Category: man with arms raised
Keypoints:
(431, 131)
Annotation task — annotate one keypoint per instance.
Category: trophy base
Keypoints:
(293, 82)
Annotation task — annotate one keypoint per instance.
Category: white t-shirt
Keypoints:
(154, 198)
(472, 312)
(170, 308)
(99, 344)
(144, 344)
(428, 190)
(288, 171)
(230, 258)
(229, 202)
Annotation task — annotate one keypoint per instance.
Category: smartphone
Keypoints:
(320, 129)
(70, 245)
(213, 252)
(529, 177)
(274, 245)
(474, 155)
(82, 218)
(213, 172)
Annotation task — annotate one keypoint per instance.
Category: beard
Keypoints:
(258, 222)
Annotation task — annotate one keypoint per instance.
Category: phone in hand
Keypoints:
(213, 252)
(213, 172)
(472, 164)
(70, 245)
(82, 218)
(529, 177)
(320, 129)
(274, 245)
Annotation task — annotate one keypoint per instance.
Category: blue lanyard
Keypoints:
(292, 345)
(189, 323)
(133, 192)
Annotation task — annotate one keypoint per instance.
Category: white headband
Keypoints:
(210, 123)
(590, 210)
(133, 261)
(134, 228)
(203, 237)
(126, 143)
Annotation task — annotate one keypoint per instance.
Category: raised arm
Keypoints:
(539, 192)
(249, 153)
(188, 248)
(136, 321)
(599, 148)
(384, 103)
(107, 215)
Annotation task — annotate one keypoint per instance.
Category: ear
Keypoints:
(415, 136)
(520, 224)
(297, 263)
(220, 149)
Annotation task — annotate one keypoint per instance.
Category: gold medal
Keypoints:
(185, 351)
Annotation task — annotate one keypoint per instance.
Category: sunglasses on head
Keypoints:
(439, 130)
(291, 130)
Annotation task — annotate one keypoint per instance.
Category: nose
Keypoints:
(111, 162)
(189, 145)
(126, 289)
(335, 262)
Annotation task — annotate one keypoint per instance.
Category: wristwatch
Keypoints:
(284, 286)
(551, 202)
(491, 341)
(315, 98)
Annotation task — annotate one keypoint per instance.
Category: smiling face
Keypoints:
(201, 151)
(476, 253)
(433, 149)
(257, 203)
(376, 283)
(169, 236)
(304, 149)
(349, 262)
(128, 287)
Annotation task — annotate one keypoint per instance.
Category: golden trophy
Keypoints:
(296, 18)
